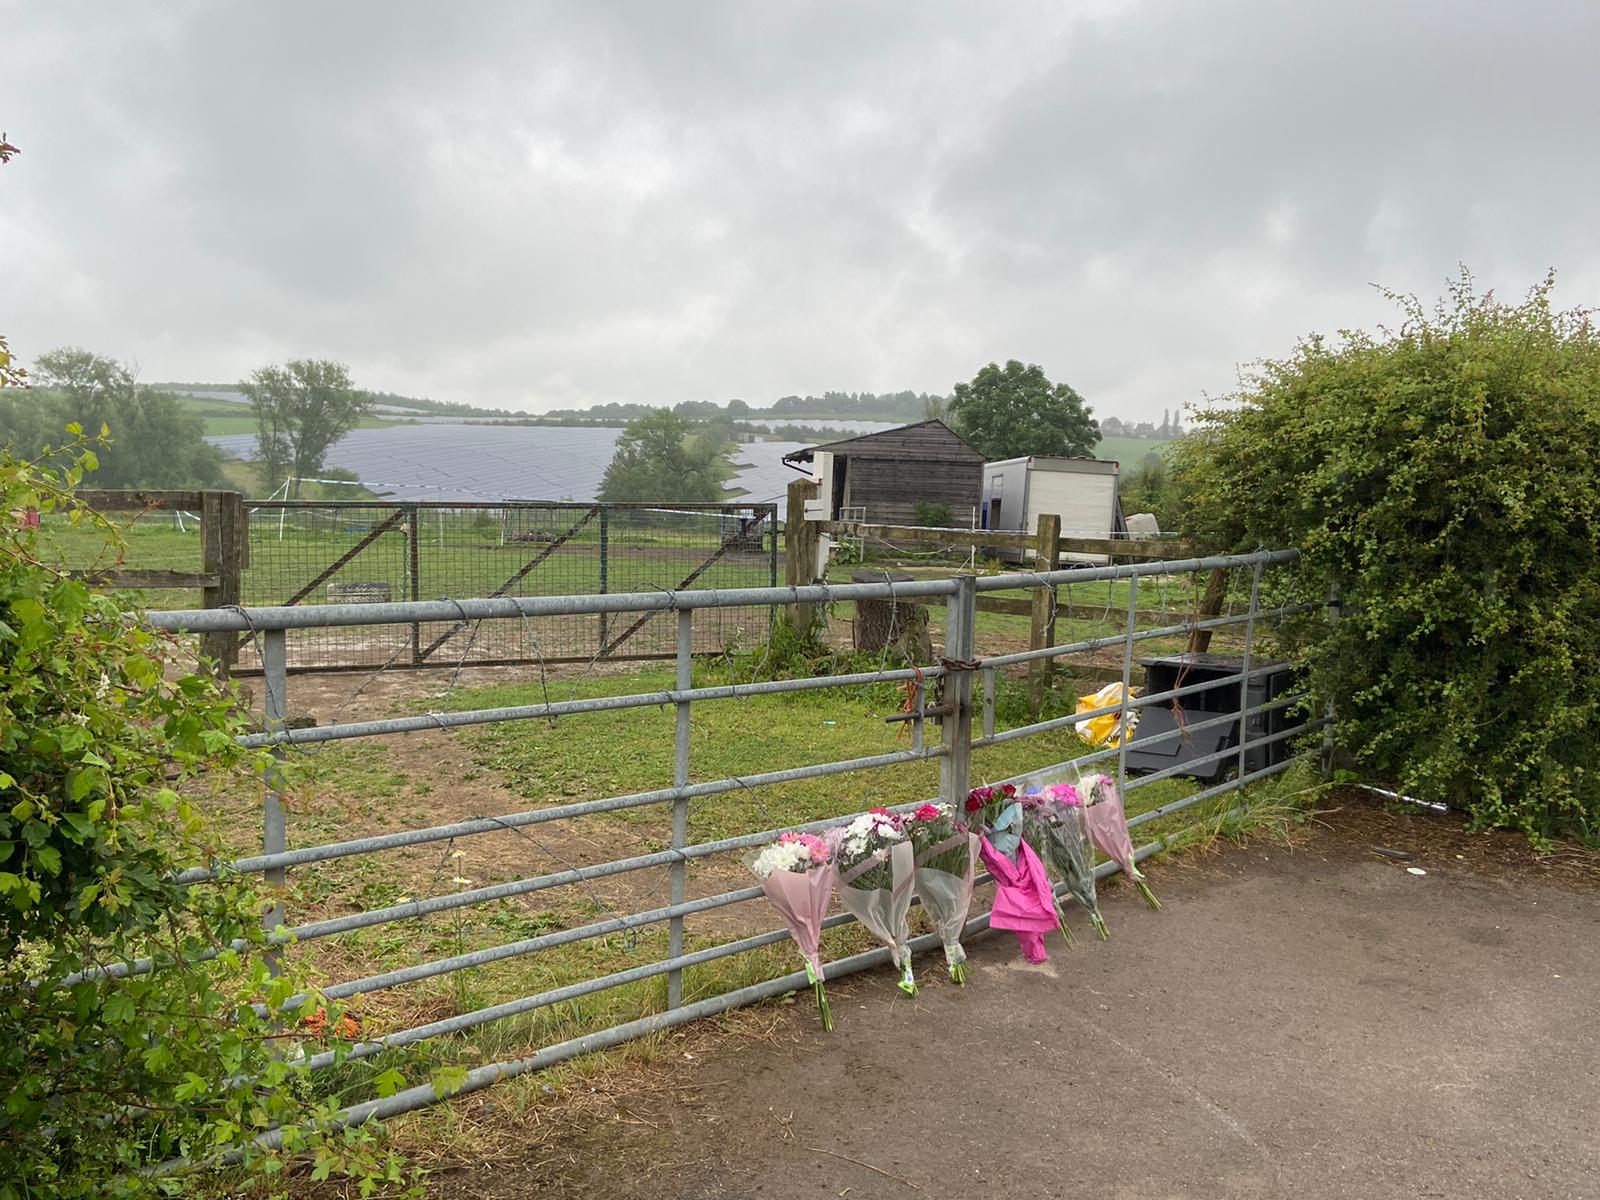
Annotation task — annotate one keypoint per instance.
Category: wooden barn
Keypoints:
(883, 477)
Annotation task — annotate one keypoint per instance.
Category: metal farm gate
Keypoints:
(371, 552)
(958, 688)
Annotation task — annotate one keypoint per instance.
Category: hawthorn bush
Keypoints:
(1446, 477)
(103, 1079)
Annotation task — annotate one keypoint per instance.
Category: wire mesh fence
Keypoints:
(373, 552)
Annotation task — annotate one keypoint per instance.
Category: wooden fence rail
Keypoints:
(1001, 539)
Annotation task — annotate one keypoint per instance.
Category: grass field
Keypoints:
(1130, 451)
(226, 416)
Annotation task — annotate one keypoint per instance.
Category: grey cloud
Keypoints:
(536, 205)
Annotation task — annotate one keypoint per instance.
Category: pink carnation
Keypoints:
(816, 848)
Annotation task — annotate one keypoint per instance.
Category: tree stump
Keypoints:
(882, 623)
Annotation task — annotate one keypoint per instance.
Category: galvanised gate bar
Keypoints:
(965, 710)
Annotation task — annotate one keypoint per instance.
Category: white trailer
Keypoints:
(1081, 491)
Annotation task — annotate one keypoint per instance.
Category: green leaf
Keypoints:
(119, 1008)
(390, 1082)
(447, 1080)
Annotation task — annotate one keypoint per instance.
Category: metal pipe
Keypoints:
(547, 941)
(405, 612)
(1184, 566)
(411, 1099)
(960, 622)
(680, 806)
(1186, 767)
(413, 909)
(1249, 648)
(1123, 729)
(1154, 698)
(1046, 774)
(1144, 635)
(1227, 785)
(274, 826)
(324, 616)
(564, 708)
(536, 816)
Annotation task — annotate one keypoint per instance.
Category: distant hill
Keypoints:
(1130, 451)
(229, 393)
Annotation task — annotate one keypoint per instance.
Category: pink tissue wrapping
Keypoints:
(801, 899)
(1108, 830)
(1023, 900)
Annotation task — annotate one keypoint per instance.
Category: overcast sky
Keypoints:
(533, 206)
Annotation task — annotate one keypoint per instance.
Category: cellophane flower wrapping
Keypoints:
(1053, 825)
(797, 875)
(1107, 822)
(876, 873)
(945, 853)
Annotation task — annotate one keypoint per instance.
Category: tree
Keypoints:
(665, 459)
(1149, 487)
(1443, 477)
(1011, 411)
(11, 374)
(301, 409)
(154, 440)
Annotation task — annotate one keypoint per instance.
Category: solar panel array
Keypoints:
(510, 462)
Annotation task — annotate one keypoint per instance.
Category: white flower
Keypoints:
(780, 856)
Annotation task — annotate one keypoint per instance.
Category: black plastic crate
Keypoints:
(1182, 670)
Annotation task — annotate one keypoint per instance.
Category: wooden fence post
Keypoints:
(1210, 606)
(224, 538)
(1042, 633)
(800, 536)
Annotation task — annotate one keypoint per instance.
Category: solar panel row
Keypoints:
(510, 462)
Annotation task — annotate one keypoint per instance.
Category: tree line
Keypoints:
(155, 439)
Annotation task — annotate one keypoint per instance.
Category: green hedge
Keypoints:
(1445, 476)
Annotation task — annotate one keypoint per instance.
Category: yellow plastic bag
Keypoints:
(1106, 729)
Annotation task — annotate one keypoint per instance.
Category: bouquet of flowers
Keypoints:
(985, 804)
(1107, 822)
(797, 874)
(1053, 825)
(944, 853)
(875, 882)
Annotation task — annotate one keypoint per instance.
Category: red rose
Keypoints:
(973, 803)
(928, 812)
